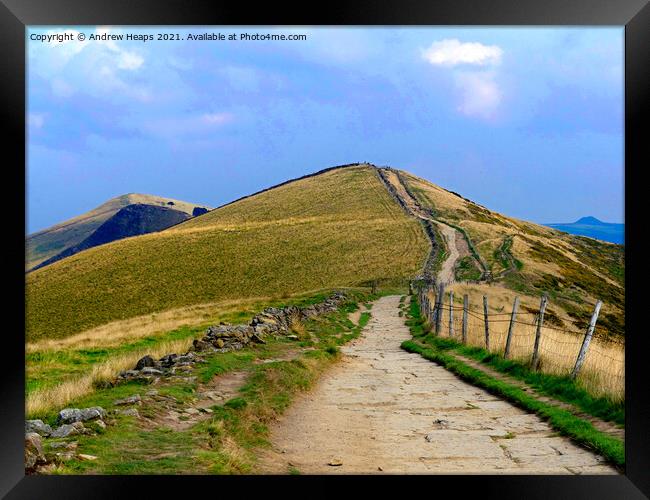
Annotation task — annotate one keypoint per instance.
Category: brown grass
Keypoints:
(41, 401)
(603, 373)
(338, 229)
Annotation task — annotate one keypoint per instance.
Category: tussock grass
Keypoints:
(42, 401)
(60, 372)
(337, 229)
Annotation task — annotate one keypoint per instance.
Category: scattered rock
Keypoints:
(168, 360)
(71, 415)
(38, 427)
(292, 337)
(84, 457)
(150, 371)
(98, 424)
(152, 392)
(64, 431)
(128, 401)
(131, 412)
(192, 411)
(144, 362)
(200, 345)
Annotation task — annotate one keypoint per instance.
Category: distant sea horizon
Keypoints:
(592, 227)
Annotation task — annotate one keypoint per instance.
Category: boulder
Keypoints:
(33, 451)
(128, 401)
(201, 345)
(64, 431)
(168, 360)
(71, 415)
(150, 371)
(38, 427)
(146, 361)
(257, 339)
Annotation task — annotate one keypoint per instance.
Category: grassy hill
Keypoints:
(338, 228)
(531, 259)
(49, 242)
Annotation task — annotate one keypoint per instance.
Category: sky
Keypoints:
(525, 121)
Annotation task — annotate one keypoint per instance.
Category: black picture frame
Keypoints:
(16, 15)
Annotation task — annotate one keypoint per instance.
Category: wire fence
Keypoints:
(598, 364)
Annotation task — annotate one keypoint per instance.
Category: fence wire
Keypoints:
(603, 369)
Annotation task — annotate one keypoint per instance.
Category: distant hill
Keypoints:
(594, 228)
(45, 244)
(131, 220)
(335, 228)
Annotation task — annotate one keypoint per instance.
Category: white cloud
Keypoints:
(36, 120)
(451, 52)
(129, 60)
(94, 67)
(480, 95)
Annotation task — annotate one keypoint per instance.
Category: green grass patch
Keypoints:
(562, 420)
(226, 442)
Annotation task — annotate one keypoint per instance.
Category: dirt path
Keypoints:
(446, 274)
(382, 409)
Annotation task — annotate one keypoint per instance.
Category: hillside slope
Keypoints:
(47, 243)
(532, 259)
(131, 220)
(335, 229)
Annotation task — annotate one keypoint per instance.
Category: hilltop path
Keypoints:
(382, 409)
(446, 273)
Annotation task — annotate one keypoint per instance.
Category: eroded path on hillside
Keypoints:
(383, 410)
(451, 236)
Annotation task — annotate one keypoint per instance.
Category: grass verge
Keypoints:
(562, 420)
(229, 439)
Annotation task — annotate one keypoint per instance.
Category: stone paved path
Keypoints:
(383, 410)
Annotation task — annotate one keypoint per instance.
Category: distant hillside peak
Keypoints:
(589, 220)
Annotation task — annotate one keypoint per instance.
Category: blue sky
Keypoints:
(526, 121)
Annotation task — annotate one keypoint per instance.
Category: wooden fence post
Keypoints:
(538, 332)
(451, 314)
(441, 294)
(513, 317)
(587, 340)
(486, 321)
(465, 309)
